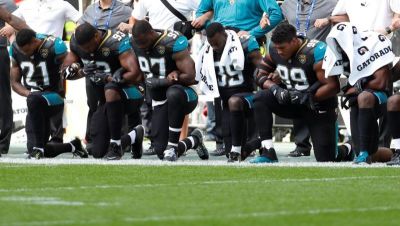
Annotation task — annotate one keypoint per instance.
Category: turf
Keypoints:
(197, 195)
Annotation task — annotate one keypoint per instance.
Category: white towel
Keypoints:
(205, 71)
(367, 51)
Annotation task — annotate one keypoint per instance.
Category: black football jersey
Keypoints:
(157, 62)
(107, 54)
(298, 72)
(41, 71)
(231, 81)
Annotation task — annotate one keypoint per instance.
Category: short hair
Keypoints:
(284, 32)
(141, 27)
(214, 28)
(25, 36)
(84, 33)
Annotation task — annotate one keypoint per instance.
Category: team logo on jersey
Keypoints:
(44, 53)
(161, 49)
(302, 58)
(105, 51)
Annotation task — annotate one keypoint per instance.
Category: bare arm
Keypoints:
(133, 75)
(380, 80)
(255, 57)
(185, 65)
(16, 80)
(202, 20)
(329, 86)
(12, 20)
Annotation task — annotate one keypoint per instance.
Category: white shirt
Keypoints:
(47, 16)
(370, 15)
(159, 15)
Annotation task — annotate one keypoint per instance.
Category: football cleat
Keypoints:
(137, 147)
(395, 160)
(234, 157)
(362, 158)
(114, 152)
(170, 154)
(201, 149)
(220, 151)
(298, 153)
(150, 150)
(37, 153)
(79, 150)
(266, 156)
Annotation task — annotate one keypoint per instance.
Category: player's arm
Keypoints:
(16, 80)
(266, 77)
(328, 87)
(12, 20)
(379, 80)
(128, 60)
(70, 68)
(186, 70)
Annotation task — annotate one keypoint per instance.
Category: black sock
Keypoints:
(51, 150)
(125, 141)
(394, 123)
(114, 117)
(187, 144)
(367, 126)
(237, 121)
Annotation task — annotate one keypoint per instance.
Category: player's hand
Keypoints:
(99, 78)
(320, 23)
(89, 69)
(118, 76)
(243, 33)
(281, 95)
(199, 22)
(71, 71)
(264, 22)
(395, 24)
(153, 83)
(124, 27)
(7, 31)
(275, 77)
(173, 77)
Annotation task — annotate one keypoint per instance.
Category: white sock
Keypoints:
(115, 141)
(172, 144)
(236, 149)
(73, 147)
(132, 135)
(348, 146)
(396, 143)
(267, 144)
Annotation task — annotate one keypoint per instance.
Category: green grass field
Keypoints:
(197, 195)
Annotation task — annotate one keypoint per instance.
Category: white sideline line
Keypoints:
(273, 214)
(51, 201)
(287, 180)
(183, 162)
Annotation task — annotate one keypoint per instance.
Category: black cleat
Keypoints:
(201, 149)
(220, 151)
(298, 153)
(137, 147)
(234, 157)
(150, 150)
(36, 153)
(114, 152)
(79, 150)
(395, 160)
(170, 154)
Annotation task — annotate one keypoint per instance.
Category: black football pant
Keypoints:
(6, 112)
(322, 126)
(167, 118)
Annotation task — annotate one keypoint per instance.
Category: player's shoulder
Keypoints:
(174, 41)
(118, 41)
(318, 47)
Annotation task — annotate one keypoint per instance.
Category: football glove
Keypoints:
(281, 95)
(99, 78)
(89, 69)
(118, 76)
(153, 83)
(71, 71)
